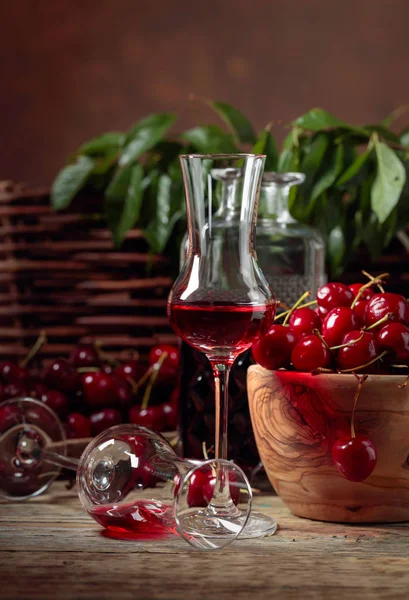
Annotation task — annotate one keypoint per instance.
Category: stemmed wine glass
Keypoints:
(221, 301)
(129, 479)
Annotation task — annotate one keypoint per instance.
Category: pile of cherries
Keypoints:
(90, 393)
(355, 329)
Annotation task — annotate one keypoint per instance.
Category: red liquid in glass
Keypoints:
(217, 327)
(140, 517)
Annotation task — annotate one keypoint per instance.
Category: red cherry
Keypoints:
(201, 487)
(132, 368)
(62, 376)
(366, 294)
(15, 389)
(321, 312)
(395, 338)
(150, 417)
(337, 323)
(123, 393)
(170, 415)
(310, 353)
(173, 355)
(359, 310)
(303, 321)
(382, 304)
(36, 388)
(56, 401)
(363, 350)
(99, 389)
(354, 457)
(9, 416)
(273, 350)
(84, 355)
(11, 372)
(103, 419)
(78, 426)
(334, 294)
(208, 489)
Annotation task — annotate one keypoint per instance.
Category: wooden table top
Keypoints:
(50, 549)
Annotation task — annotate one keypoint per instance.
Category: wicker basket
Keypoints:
(60, 273)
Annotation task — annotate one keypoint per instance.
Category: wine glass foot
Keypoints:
(208, 532)
(258, 525)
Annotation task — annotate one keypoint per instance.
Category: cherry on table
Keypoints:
(395, 338)
(57, 401)
(382, 304)
(36, 388)
(84, 355)
(334, 294)
(62, 376)
(303, 321)
(10, 372)
(361, 350)
(354, 457)
(150, 417)
(170, 415)
(310, 353)
(132, 368)
(173, 355)
(77, 426)
(337, 323)
(273, 350)
(15, 389)
(201, 487)
(103, 419)
(99, 389)
(123, 392)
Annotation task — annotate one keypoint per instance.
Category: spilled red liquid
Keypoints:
(142, 519)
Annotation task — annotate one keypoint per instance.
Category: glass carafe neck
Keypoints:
(275, 190)
(229, 198)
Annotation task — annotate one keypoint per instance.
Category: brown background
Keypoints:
(72, 69)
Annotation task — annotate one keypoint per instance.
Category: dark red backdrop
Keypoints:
(69, 70)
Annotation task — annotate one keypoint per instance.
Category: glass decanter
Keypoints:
(221, 301)
(290, 253)
(129, 479)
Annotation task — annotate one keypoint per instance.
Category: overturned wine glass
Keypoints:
(129, 479)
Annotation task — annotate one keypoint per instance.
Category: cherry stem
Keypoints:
(296, 305)
(283, 314)
(318, 333)
(88, 369)
(42, 338)
(374, 278)
(354, 369)
(103, 356)
(361, 380)
(350, 343)
(155, 372)
(405, 383)
(387, 317)
(374, 281)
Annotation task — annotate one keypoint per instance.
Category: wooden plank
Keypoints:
(132, 284)
(50, 548)
(123, 321)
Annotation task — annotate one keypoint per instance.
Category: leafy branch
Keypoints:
(356, 189)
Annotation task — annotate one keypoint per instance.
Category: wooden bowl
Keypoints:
(296, 418)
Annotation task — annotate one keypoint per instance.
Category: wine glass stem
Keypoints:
(221, 372)
(59, 460)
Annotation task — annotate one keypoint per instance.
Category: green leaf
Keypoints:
(395, 114)
(354, 168)
(383, 132)
(389, 181)
(239, 125)
(336, 250)
(404, 137)
(103, 145)
(330, 173)
(266, 145)
(69, 181)
(210, 139)
(123, 201)
(317, 119)
(160, 228)
(145, 135)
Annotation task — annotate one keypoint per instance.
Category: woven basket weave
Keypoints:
(60, 273)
